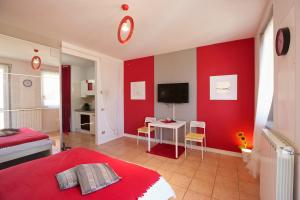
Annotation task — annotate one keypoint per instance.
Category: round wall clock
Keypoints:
(283, 38)
(27, 83)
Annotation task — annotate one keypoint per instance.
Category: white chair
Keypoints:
(144, 129)
(196, 137)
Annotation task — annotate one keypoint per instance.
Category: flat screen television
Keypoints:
(173, 93)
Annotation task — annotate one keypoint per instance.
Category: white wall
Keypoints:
(109, 95)
(287, 83)
(90, 73)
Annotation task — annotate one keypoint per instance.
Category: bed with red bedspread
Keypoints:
(36, 179)
(26, 142)
(24, 135)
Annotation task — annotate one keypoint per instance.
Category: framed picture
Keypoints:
(138, 90)
(223, 87)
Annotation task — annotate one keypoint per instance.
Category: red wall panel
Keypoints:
(135, 111)
(225, 118)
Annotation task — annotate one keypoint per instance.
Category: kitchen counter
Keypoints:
(85, 111)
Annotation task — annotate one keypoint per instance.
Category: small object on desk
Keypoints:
(168, 120)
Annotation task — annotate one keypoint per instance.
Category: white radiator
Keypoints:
(277, 168)
(29, 118)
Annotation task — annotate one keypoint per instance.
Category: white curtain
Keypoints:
(265, 93)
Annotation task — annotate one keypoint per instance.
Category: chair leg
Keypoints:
(160, 133)
(185, 147)
(137, 138)
(205, 143)
(202, 149)
(173, 135)
(155, 139)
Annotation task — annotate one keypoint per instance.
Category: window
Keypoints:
(264, 113)
(50, 89)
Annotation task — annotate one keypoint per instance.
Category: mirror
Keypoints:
(29, 98)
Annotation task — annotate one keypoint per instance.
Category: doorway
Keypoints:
(78, 99)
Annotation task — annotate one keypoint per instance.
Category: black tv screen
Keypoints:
(173, 93)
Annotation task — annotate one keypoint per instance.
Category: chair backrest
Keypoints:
(150, 119)
(197, 124)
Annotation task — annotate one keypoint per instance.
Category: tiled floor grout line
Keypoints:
(190, 182)
(238, 182)
(212, 193)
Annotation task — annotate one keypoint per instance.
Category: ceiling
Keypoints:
(161, 26)
(77, 61)
(14, 48)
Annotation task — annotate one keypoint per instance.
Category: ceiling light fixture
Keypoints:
(36, 61)
(126, 26)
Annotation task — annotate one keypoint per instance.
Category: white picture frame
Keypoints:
(223, 87)
(138, 90)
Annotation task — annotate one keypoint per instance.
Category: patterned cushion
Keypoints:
(8, 132)
(93, 177)
(67, 179)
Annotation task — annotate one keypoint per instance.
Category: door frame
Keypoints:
(73, 50)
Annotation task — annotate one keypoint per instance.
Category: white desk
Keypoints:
(174, 126)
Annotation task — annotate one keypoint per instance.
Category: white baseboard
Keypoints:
(49, 131)
(108, 140)
(220, 151)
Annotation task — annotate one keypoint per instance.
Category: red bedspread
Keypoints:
(25, 135)
(36, 179)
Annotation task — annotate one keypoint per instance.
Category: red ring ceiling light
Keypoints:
(36, 61)
(127, 19)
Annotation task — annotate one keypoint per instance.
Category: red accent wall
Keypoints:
(225, 118)
(135, 111)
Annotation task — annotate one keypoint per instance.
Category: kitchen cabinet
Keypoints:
(85, 121)
(88, 88)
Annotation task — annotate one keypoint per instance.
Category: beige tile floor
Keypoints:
(54, 136)
(217, 177)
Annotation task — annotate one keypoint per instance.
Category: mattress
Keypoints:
(25, 146)
(137, 182)
(21, 150)
(25, 135)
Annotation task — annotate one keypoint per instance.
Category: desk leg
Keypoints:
(176, 142)
(149, 138)
(160, 132)
(173, 135)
